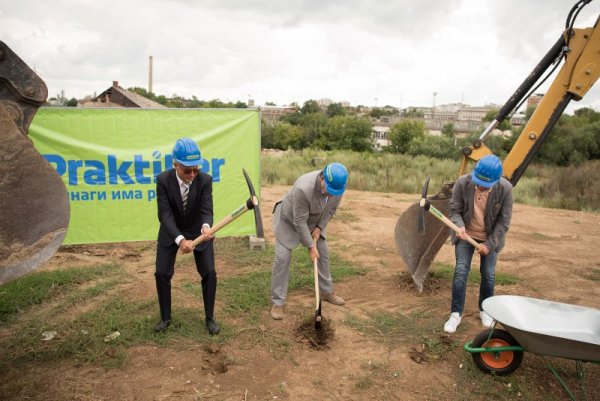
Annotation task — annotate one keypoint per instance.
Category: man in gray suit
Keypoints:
(301, 217)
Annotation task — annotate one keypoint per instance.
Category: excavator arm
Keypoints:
(579, 50)
(34, 204)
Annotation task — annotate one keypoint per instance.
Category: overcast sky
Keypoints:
(369, 52)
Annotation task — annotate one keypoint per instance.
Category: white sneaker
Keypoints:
(486, 319)
(453, 322)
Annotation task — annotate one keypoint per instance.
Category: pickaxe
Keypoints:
(251, 204)
(427, 206)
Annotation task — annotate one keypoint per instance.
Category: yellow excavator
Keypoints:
(34, 204)
(578, 51)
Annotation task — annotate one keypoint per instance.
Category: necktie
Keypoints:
(184, 194)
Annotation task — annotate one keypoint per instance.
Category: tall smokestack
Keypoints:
(150, 74)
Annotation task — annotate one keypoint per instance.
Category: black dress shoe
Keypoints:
(162, 325)
(212, 326)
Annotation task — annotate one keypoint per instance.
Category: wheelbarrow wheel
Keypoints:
(499, 363)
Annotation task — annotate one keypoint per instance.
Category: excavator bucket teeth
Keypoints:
(34, 204)
(419, 249)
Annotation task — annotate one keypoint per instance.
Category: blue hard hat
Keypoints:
(487, 171)
(186, 152)
(336, 177)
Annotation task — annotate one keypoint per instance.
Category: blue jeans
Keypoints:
(464, 254)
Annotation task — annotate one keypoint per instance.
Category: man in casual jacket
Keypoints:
(482, 207)
(301, 218)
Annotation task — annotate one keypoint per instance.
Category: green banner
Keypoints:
(108, 160)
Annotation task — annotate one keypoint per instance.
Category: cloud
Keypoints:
(395, 52)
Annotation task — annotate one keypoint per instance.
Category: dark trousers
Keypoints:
(165, 268)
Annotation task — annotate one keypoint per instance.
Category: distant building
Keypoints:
(270, 114)
(116, 96)
(464, 118)
(380, 136)
(324, 102)
(534, 100)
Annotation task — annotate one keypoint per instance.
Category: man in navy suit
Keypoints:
(185, 210)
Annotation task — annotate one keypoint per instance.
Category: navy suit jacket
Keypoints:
(173, 220)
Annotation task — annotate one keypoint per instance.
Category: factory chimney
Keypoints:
(150, 75)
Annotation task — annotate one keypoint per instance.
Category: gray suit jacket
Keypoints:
(498, 209)
(301, 210)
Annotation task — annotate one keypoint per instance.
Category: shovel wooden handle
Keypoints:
(316, 269)
(249, 204)
(440, 216)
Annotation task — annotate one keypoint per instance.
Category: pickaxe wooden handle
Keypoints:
(424, 203)
(250, 204)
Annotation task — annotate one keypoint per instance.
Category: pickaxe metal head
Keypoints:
(254, 204)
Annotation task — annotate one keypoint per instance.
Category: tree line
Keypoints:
(574, 140)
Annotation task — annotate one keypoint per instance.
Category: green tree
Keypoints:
(294, 118)
(441, 147)
(403, 133)
(347, 133)
(529, 111)
(312, 124)
(268, 139)
(310, 106)
(491, 115)
(448, 130)
(71, 102)
(289, 136)
(413, 113)
(335, 109)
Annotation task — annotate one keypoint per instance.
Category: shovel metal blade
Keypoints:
(318, 316)
(419, 249)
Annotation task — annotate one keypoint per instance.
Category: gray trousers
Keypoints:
(281, 271)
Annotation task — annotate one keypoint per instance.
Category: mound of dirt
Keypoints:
(317, 336)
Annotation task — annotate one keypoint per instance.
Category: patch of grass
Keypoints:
(525, 383)
(540, 237)
(575, 187)
(249, 294)
(591, 274)
(97, 289)
(364, 383)
(396, 328)
(446, 272)
(377, 374)
(39, 287)
(346, 216)
(82, 337)
(236, 252)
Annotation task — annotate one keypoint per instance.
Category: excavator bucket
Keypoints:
(419, 236)
(34, 204)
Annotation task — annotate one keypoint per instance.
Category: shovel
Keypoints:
(318, 316)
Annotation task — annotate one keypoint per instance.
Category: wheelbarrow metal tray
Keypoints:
(548, 328)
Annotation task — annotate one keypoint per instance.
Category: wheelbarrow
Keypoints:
(538, 326)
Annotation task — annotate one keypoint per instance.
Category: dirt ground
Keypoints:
(552, 251)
